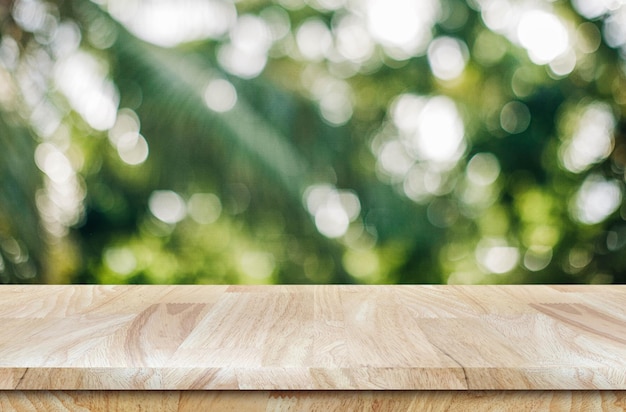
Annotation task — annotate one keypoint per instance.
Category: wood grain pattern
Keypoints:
(340, 401)
(313, 337)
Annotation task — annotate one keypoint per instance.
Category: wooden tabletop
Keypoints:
(313, 337)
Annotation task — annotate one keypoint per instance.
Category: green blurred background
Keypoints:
(318, 141)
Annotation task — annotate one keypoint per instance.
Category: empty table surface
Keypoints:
(313, 337)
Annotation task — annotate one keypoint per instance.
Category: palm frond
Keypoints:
(181, 79)
(21, 246)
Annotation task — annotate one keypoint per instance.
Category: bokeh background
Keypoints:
(318, 141)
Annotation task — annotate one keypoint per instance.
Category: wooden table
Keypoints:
(306, 347)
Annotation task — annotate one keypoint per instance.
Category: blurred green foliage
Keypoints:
(321, 141)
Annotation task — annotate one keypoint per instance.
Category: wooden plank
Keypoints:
(327, 337)
(261, 401)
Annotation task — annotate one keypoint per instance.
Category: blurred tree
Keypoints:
(324, 141)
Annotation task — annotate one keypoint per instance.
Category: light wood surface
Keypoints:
(312, 337)
(329, 401)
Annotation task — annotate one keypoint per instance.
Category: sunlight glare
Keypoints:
(314, 39)
(53, 163)
(132, 148)
(615, 28)
(353, 40)
(543, 35)
(394, 159)
(439, 136)
(496, 256)
(596, 199)
(483, 169)
(433, 126)
(167, 206)
(170, 23)
(447, 57)
(592, 141)
(83, 80)
(246, 54)
(126, 121)
(335, 99)
(332, 209)
(592, 9)
(403, 27)
(220, 95)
